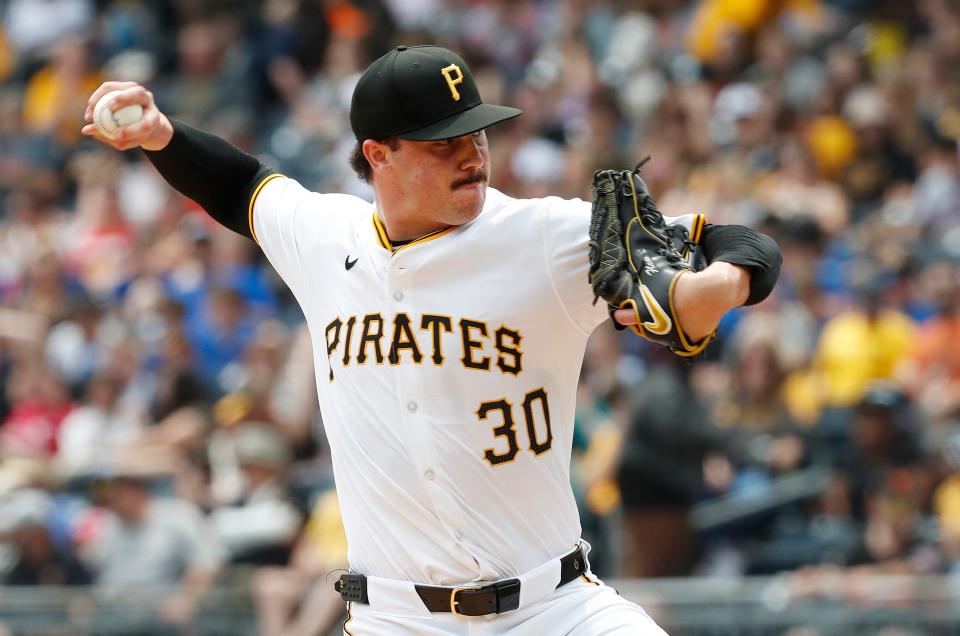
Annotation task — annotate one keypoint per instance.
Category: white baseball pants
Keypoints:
(583, 607)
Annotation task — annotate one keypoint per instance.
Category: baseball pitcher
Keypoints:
(448, 323)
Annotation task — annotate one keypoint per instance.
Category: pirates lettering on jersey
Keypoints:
(346, 347)
(372, 334)
(437, 325)
(334, 329)
(509, 359)
(471, 344)
(403, 339)
(408, 340)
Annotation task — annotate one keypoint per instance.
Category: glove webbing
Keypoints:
(606, 276)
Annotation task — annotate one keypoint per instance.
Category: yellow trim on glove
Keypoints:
(689, 350)
(697, 231)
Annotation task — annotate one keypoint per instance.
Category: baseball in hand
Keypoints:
(108, 122)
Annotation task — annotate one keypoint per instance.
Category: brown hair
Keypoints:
(359, 162)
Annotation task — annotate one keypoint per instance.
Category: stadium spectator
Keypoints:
(102, 428)
(25, 516)
(860, 346)
(55, 92)
(39, 404)
(298, 600)
(259, 524)
(156, 554)
(670, 452)
(932, 372)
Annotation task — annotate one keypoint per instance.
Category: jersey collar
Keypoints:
(385, 243)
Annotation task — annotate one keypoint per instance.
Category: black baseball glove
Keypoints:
(636, 257)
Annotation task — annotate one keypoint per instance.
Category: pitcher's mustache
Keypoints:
(476, 177)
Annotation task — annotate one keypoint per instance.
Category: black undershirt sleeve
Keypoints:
(214, 173)
(744, 246)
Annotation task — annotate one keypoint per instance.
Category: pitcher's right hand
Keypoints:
(152, 132)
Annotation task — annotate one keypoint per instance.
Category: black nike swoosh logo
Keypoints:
(348, 263)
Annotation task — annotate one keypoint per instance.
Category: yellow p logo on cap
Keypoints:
(454, 76)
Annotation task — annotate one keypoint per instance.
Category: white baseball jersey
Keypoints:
(446, 372)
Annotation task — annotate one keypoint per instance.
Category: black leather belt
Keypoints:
(466, 600)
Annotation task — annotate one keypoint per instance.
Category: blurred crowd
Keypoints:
(158, 419)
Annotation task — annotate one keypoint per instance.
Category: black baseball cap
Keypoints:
(421, 93)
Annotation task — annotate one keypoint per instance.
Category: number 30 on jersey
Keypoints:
(536, 415)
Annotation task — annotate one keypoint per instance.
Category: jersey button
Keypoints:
(458, 535)
(412, 407)
(428, 474)
(398, 295)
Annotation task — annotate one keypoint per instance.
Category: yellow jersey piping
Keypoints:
(381, 233)
(385, 241)
(253, 199)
